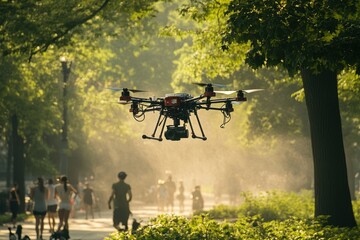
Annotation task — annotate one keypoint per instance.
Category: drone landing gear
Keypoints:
(201, 129)
(175, 132)
(158, 123)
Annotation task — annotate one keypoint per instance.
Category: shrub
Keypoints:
(271, 205)
(201, 227)
(271, 215)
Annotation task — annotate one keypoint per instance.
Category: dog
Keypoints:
(60, 235)
(12, 236)
(135, 226)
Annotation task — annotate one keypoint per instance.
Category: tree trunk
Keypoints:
(332, 195)
(10, 158)
(19, 162)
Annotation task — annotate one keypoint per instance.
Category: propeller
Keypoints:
(207, 84)
(245, 91)
(124, 89)
(117, 102)
(123, 102)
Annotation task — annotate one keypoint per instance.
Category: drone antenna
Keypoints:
(140, 117)
(227, 118)
(138, 114)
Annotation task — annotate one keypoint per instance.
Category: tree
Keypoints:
(29, 27)
(317, 39)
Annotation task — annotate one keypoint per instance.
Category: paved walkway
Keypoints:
(101, 226)
(92, 229)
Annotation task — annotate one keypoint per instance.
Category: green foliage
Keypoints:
(356, 209)
(33, 89)
(6, 218)
(29, 27)
(270, 205)
(349, 98)
(201, 227)
(272, 215)
(296, 34)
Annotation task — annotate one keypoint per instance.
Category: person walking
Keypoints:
(14, 203)
(52, 203)
(170, 189)
(64, 191)
(181, 197)
(161, 195)
(38, 195)
(198, 201)
(121, 196)
(88, 198)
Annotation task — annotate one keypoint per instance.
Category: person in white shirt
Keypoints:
(64, 191)
(39, 194)
(52, 203)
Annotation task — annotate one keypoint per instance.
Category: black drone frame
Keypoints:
(179, 107)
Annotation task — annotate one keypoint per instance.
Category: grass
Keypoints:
(6, 218)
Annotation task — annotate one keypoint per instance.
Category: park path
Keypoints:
(97, 228)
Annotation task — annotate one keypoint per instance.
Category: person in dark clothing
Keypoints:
(181, 197)
(121, 196)
(14, 203)
(88, 198)
(198, 201)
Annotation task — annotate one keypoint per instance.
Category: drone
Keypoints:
(180, 107)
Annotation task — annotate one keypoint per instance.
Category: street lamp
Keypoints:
(66, 69)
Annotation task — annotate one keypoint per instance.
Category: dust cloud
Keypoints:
(223, 165)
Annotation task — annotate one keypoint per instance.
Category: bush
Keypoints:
(271, 205)
(272, 215)
(166, 227)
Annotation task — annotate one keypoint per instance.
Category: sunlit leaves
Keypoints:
(201, 227)
(296, 34)
(29, 27)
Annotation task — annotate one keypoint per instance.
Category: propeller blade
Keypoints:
(245, 91)
(213, 84)
(136, 90)
(237, 102)
(252, 90)
(115, 89)
(121, 89)
(226, 92)
(117, 102)
(123, 102)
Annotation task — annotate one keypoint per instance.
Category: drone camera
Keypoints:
(175, 133)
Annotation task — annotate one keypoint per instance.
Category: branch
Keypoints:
(68, 27)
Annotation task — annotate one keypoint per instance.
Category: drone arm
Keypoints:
(145, 100)
(194, 99)
(211, 108)
(214, 101)
(151, 109)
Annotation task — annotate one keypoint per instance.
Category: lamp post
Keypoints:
(66, 69)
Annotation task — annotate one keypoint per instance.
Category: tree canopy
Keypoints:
(297, 34)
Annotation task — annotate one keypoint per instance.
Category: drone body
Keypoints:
(179, 107)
